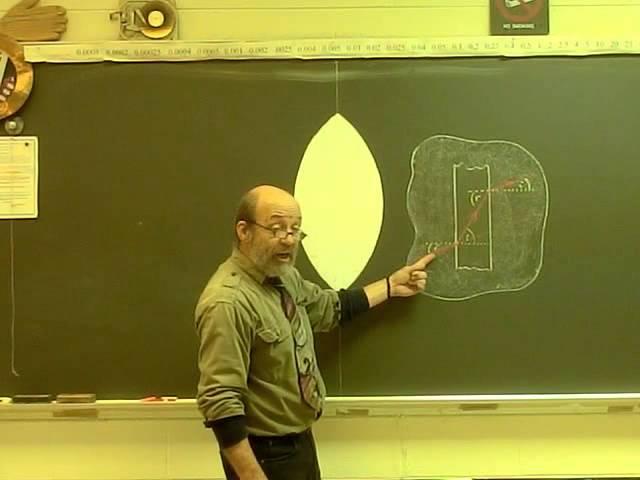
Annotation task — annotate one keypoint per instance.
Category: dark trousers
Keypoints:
(290, 457)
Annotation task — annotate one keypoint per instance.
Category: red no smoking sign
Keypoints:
(519, 17)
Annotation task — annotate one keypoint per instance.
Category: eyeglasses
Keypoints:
(279, 232)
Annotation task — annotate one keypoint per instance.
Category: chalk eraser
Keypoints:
(30, 398)
(76, 398)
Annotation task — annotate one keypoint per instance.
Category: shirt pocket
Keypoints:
(270, 335)
(272, 354)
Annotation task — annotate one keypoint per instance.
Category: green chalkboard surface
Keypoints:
(142, 165)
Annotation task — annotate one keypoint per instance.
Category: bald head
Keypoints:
(272, 201)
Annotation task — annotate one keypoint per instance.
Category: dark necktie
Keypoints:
(305, 361)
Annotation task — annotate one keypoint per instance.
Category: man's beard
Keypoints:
(265, 259)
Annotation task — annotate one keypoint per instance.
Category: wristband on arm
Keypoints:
(228, 431)
(352, 303)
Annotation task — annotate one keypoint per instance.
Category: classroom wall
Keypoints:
(384, 447)
(270, 19)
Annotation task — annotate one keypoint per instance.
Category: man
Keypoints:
(260, 389)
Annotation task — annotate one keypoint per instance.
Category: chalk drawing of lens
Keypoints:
(482, 207)
(339, 190)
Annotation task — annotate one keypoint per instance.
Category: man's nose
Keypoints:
(290, 239)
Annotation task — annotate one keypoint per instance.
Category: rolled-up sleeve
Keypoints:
(226, 336)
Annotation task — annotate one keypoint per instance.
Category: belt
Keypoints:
(279, 440)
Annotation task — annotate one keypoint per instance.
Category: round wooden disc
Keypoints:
(16, 77)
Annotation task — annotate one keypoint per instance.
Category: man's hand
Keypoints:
(26, 22)
(243, 461)
(411, 279)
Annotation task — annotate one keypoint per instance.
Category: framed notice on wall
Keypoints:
(519, 17)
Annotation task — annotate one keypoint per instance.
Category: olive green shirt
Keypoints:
(247, 355)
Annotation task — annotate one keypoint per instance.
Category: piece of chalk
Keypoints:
(155, 398)
(44, 398)
(76, 398)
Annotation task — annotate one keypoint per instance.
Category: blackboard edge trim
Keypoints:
(366, 406)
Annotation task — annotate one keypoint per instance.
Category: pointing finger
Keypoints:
(422, 263)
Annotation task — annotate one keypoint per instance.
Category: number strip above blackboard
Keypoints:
(177, 51)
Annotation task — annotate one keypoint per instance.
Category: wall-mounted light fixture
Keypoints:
(155, 19)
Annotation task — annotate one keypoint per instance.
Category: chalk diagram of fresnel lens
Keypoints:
(481, 206)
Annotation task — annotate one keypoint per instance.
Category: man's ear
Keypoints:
(242, 230)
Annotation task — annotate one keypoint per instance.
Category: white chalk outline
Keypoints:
(544, 220)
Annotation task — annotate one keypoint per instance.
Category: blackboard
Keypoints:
(142, 165)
